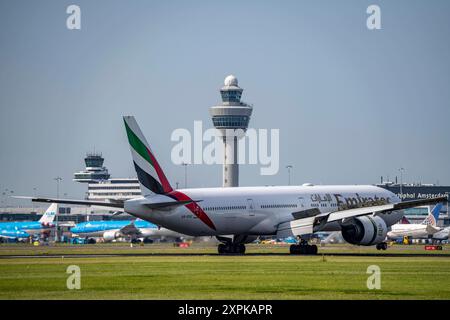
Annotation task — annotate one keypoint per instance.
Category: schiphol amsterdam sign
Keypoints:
(420, 195)
(419, 192)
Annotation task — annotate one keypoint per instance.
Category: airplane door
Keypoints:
(250, 207)
(301, 203)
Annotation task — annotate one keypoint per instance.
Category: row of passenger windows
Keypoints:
(269, 206)
(266, 206)
(225, 208)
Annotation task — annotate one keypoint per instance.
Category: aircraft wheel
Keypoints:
(241, 248)
(303, 249)
(221, 248)
(293, 249)
(384, 246)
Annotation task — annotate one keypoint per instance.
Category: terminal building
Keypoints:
(420, 191)
(114, 189)
(100, 186)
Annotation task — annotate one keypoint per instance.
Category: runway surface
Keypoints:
(100, 255)
(208, 249)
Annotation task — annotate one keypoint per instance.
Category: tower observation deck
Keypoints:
(94, 172)
(229, 117)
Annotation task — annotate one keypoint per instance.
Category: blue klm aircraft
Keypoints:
(24, 229)
(112, 230)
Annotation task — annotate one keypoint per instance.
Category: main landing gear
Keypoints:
(303, 248)
(233, 245)
(231, 248)
(382, 246)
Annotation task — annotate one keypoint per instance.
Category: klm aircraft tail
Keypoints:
(433, 216)
(49, 216)
(150, 175)
(405, 221)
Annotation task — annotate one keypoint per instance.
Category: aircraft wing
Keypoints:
(130, 229)
(114, 204)
(305, 221)
(339, 215)
(150, 203)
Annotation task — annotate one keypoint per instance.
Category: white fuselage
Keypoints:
(412, 230)
(258, 210)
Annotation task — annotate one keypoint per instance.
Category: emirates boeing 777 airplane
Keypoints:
(239, 215)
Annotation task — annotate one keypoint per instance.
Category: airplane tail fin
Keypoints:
(433, 215)
(405, 221)
(151, 178)
(49, 216)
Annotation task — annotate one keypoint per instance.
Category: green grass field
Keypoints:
(204, 276)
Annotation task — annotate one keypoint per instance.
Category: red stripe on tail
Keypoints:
(193, 207)
(162, 177)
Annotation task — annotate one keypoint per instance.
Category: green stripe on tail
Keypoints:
(137, 144)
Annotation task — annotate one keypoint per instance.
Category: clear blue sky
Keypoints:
(351, 104)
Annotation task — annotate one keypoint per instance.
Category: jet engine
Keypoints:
(364, 231)
(111, 235)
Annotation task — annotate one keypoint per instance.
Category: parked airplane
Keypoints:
(13, 234)
(112, 230)
(25, 229)
(427, 228)
(239, 215)
(442, 235)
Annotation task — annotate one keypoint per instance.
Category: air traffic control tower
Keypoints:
(229, 117)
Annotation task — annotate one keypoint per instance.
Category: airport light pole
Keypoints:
(401, 182)
(57, 179)
(289, 167)
(34, 195)
(448, 213)
(185, 173)
(5, 193)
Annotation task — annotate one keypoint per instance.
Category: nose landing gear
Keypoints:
(303, 248)
(381, 246)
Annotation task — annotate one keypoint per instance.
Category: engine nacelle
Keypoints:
(365, 231)
(111, 235)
